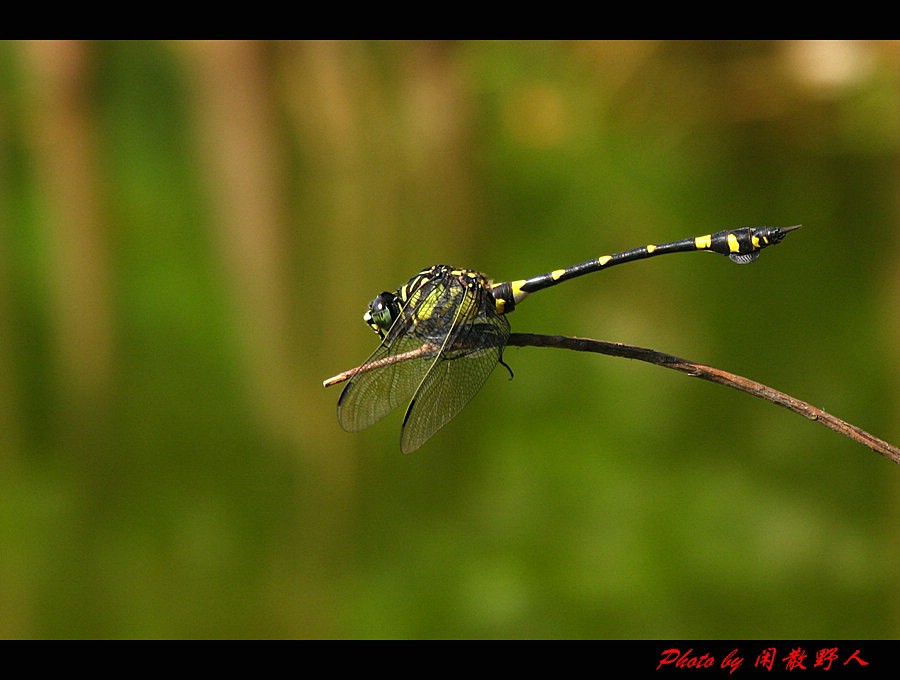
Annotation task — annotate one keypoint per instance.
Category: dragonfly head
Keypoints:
(382, 313)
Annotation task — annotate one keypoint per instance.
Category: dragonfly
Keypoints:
(443, 332)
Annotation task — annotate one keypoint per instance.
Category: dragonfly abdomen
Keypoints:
(742, 246)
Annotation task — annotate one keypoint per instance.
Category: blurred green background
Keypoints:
(190, 233)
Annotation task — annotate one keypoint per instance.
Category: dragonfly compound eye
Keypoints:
(382, 312)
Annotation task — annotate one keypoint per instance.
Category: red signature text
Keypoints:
(793, 659)
(688, 659)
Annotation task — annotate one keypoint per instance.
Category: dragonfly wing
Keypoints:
(372, 394)
(377, 390)
(469, 354)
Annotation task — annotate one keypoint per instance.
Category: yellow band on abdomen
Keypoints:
(733, 244)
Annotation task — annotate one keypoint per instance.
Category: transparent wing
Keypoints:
(374, 392)
(469, 354)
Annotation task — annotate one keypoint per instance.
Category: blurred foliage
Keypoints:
(190, 232)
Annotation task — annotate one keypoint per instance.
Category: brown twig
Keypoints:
(713, 375)
(423, 351)
(676, 364)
